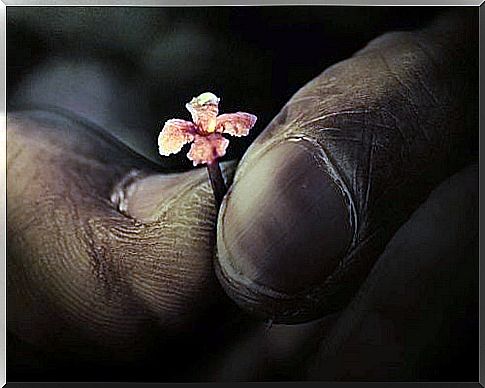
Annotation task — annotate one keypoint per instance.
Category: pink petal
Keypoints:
(206, 149)
(174, 135)
(236, 124)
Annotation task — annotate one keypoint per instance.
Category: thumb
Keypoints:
(101, 247)
(352, 154)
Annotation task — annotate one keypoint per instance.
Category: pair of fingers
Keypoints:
(103, 247)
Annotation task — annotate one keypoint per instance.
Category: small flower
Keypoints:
(205, 130)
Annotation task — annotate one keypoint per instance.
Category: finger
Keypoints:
(420, 295)
(322, 190)
(102, 250)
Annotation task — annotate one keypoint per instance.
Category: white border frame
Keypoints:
(142, 3)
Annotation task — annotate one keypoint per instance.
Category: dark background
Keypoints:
(255, 58)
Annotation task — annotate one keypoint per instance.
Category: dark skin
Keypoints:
(360, 286)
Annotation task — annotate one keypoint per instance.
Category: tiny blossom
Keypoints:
(204, 131)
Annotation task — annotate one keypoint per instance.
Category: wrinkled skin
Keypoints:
(381, 129)
(111, 261)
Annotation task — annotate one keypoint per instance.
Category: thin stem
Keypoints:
(217, 182)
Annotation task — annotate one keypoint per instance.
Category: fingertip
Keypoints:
(283, 229)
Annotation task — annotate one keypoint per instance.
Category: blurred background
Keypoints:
(143, 63)
(129, 69)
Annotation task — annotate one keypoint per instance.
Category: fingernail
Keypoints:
(143, 197)
(285, 224)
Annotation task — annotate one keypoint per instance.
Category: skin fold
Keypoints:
(344, 250)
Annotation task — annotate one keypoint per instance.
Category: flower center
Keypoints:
(211, 125)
